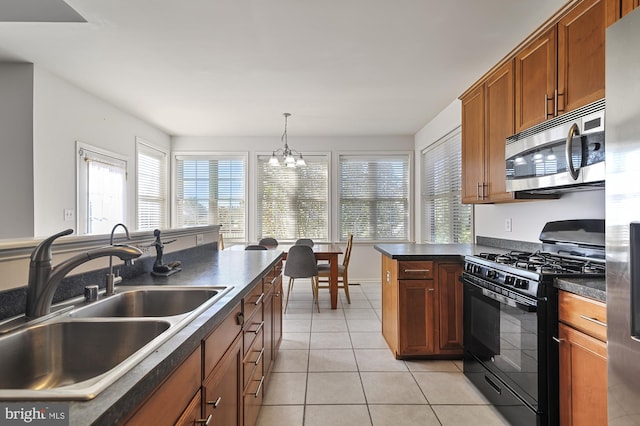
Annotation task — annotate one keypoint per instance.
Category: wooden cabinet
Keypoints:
(221, 390)
(174, 396)
(583, 360)
(627, 6)
(422, 308)
(487, 120)
(223, 380)
(563, 68)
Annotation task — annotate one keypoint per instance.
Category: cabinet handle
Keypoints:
(555, 339)
(259, 356)
(555, 103)
(584, 317)
(546, 106)
(431, 289)
(215, 403)
(259, 327)
(260, 299)
(204, 421)
(259, 388)
(417, 270)
(478, 191)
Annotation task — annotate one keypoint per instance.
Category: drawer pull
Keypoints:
(215, 403)
(260, 299)
(204, 421)
(431, 289)
(584, 317)
(259, 356)
(259, 327)
(259, 387)
(417, 270)
(555, 339)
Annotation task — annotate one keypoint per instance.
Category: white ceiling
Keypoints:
(232, 67)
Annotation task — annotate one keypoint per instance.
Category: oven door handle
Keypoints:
(503, 299)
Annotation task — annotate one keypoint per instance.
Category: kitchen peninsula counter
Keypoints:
(204, 267)
(410, 251)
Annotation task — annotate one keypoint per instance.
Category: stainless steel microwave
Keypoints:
(562, 154)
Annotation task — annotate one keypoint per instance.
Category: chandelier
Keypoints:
(289, 155)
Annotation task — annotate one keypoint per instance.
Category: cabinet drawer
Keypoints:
(253, 358)
(415, 269)
(252, 301)
(216, 343)
(253, 333)
(584, 314)
(253, 397)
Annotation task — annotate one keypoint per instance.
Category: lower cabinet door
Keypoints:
(417, 308)
(222, 390)
(193, 414)
(583, 378)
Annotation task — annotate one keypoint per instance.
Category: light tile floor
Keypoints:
(334, 368)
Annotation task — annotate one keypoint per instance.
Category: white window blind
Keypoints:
(445, 218)
(374, 197)
(293, 202)
(211, 190)
(151, 171)
(102, 178)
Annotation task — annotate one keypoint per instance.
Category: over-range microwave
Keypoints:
(565, 153)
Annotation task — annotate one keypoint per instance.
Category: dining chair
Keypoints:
(324, 271)
(255, 247)
(268, 242)
(301, 263)
(304, 242)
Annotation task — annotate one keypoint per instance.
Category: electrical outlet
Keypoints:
(199, 239)
(507, 225)
(69, 215)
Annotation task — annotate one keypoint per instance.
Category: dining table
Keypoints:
(323, 251)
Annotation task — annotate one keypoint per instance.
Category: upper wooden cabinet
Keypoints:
(487, 120)
(563, 69)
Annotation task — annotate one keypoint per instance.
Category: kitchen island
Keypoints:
(243, 271)
(422, 298)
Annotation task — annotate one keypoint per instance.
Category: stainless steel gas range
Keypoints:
(511, 318)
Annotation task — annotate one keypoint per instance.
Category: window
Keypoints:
(102, 178)
(374, 197)
(211, 190)
(293, 202)
(151, 181)
(445, 218)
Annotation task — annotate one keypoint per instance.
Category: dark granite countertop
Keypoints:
(239, 269)
(410, 251)
(594, 288)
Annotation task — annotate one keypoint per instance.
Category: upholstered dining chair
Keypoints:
(301, 263)
(255, 247)
(324, 271)
(268, 242)
(304, 242)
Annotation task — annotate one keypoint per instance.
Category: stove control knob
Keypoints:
(476, 269)
(523, 284)
(491, 274)
(509, 280)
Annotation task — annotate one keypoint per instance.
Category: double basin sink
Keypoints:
(79, 352)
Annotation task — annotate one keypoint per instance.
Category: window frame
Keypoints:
(255, 198)
(454, 134)
(211, 155)
(140, 142)
(410, 192)
(82, 188)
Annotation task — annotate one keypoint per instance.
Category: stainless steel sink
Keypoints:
(148, 302)
(79, 352)
(61, 354)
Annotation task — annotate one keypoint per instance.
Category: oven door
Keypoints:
(502, 335)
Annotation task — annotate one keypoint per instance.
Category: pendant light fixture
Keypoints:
(289, 155)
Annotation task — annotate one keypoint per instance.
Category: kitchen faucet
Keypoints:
(111, 279)
(44, 279)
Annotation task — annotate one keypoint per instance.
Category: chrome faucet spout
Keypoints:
(111, 278)
(44, 279)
